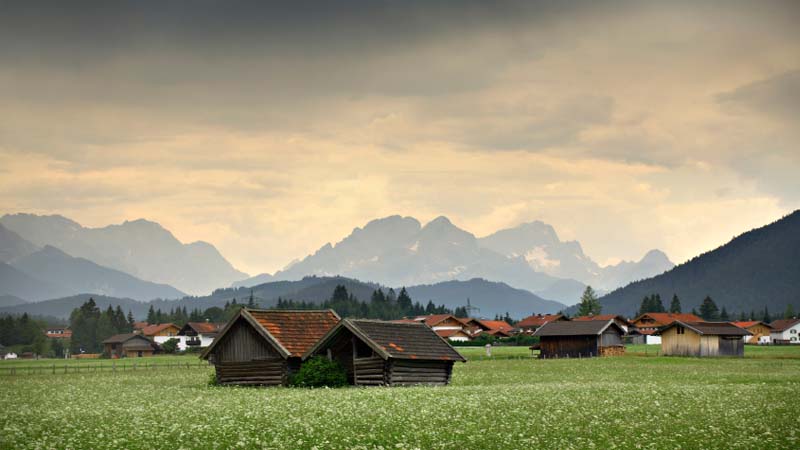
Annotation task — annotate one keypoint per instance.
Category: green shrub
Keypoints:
(212, 379)
(320, 371)
(170, 346)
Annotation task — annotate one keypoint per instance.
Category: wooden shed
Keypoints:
(702, 339)
(379, 353)
(580, 339)
(264, 347)
(129, 345)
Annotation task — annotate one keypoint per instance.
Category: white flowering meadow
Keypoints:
(625, 402)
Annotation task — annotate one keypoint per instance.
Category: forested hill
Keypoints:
(760, 268)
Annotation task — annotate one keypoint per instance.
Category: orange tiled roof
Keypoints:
(152, 330)
(537, 320)
(494, 325)
(750, 323)
(434, 319)
(663, 319)
(448, 333)
(603, 317)
(206, 327)
(296, 331)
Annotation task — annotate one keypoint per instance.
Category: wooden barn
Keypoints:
(702, 339)
(378, 353)
(264, 347)
(129, 345)
(580, 339)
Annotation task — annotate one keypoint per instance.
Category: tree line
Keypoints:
(709, 310)
(382, 305)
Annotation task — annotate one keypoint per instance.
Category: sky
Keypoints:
(270, 130)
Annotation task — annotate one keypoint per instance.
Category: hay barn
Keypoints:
(378, 353)
(702, 339)
(580, 339)
(264, 347)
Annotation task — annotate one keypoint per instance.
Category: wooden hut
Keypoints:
(702, 339)
(129, 345)
(264, 347)
(580, 339)
(378, 353)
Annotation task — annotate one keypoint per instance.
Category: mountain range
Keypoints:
(491, 297)
(140, 248)
(757, 269)
(538, 244)
(400, 251)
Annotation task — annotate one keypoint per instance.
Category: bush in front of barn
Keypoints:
(319, 371)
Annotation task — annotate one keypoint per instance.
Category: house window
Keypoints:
(680, 329)
(793, 331)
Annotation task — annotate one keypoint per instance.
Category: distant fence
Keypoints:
(113, 367)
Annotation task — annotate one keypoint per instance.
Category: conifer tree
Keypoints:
(675, 305)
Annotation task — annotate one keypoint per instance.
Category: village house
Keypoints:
(473, 327)
(648, 324)
(161, 332)
(785, 331)
(447, 326)
(129, 345)
(380, 353)
(264, 347)
(531, 323)
(58, 333)
(498, 328)
(581, 339)
(760, 331)
(702, 339)
(198, 334)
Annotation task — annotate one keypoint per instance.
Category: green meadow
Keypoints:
(509, 401)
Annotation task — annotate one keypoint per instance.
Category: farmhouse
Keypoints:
(58, 333)
(264, 347)
(648, 323)
(379, 353)
(785, 331)
(198, 334)
(760, 331)
(129, 345)
(497, 327)
(531, 323)
(447, 326)
(702, 339)
(571, 339)
(161, 332)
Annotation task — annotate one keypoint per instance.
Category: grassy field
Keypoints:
(510, 401)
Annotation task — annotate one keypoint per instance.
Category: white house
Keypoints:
(785, 331)
(198, 334)
(10, 355)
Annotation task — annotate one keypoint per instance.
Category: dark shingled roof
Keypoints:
(576, 328)
(398, 340)
(710, 328)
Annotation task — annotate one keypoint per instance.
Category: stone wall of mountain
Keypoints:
(539, 245)
(140, 248)
(760, 268)
(400, 251)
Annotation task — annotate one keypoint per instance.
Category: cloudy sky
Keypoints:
(269, 131)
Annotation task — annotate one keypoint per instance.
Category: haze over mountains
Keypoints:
(399, 251)
(140, 248)
(492, 298)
